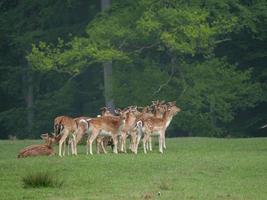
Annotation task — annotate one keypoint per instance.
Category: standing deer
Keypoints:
(130, 123)
(156, 126)
(106, 126)
(66, 127)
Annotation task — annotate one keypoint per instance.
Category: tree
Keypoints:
(105, 4)
(21, 95)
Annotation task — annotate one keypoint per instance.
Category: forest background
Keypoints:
(72, 57)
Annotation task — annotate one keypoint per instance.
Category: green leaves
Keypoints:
(218, 90)
(175, 48)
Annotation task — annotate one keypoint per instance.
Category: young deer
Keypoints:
(67, 127)
(41, 149)
(106, 126)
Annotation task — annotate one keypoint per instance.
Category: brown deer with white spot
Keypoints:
(156, 126)
(128, 128)
(40, 149)
(106, 126)
(67, 128)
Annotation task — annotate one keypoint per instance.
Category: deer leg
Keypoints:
(103, 147)
(98, 141)
(88, 138)
(115, 141)
(69, 146)
(164, 141)
(87, 146)
(161, 142)
(145, 140)
(123, 141)
(132, 140)
(64, 148)
(147, 144)
(62, 141)
(74, 145)
(150, 143)
(92, 138)
(139, 135)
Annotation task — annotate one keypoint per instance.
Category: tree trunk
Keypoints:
(107, 70)
(29, 103)
(27, 78)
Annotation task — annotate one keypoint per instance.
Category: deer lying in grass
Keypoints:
(106, 126)
(66, 127)
(156, 126)
(41, 149)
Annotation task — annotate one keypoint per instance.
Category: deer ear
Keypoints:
(103, 108)
(44, 136)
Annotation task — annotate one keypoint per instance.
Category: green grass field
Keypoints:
(190, 168)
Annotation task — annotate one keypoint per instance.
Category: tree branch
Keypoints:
(166, 83)
(146, 47)
(223, 40)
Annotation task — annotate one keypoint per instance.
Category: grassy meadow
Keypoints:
(190, 168)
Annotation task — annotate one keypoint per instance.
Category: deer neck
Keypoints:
(130, 120)
(48, 143)
(122, 122)
(169, 121)
(166, 117)
(158, 114)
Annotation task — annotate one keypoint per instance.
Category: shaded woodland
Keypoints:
(72, 57)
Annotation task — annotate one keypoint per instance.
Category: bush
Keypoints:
(41, 179)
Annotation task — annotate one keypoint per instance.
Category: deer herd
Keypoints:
(133, 122)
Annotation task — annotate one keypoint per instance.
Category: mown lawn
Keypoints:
(190, 168)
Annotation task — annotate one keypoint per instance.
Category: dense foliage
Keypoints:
(209, 56)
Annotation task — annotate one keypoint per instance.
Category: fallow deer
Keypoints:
(156, 126)
(106, 126)
(41, 149)
(146, 112)
(130, 123)
(82, 127)
(67, 127)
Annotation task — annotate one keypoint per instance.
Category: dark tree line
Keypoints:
(209, 56)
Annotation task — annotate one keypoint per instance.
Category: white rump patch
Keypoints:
(139, 123)
(84, 121)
